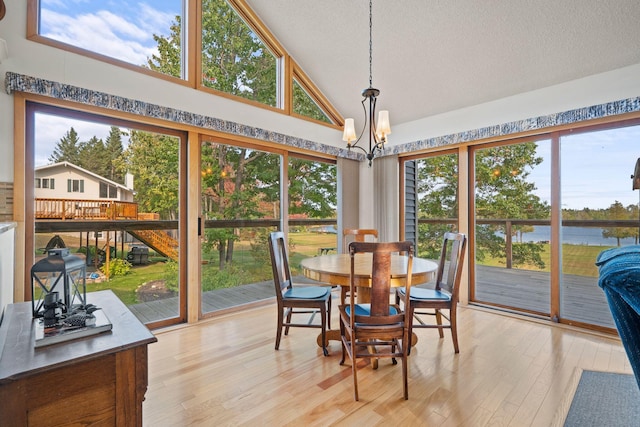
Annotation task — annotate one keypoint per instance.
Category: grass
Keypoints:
(577, 260)
(125, 286)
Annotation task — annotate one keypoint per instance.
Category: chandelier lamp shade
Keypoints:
(378, 130)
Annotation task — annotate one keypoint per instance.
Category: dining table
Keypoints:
(335, 269)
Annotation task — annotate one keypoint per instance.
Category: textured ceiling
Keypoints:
(434, 56)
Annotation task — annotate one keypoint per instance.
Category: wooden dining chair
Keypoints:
(444, 296)
(380, 325)
(355, 235)
(296, 299)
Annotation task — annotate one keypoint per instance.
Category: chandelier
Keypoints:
(379, 130)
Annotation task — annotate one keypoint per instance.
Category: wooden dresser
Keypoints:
(97, 380)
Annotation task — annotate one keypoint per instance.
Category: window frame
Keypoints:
(192, 63)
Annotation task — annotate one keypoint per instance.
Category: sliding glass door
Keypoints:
(599, 212)
(109, 191)
(511, 211)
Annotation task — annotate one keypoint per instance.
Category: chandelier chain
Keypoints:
(370, 43)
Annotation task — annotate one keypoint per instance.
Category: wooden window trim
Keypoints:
(287, 70)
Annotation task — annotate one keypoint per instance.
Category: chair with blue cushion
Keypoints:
(378, 329)
(444, 296)
(296, 299)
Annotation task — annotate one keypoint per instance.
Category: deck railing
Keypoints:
(65, 209)
(508, 225)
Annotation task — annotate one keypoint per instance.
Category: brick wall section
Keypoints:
(6, 201)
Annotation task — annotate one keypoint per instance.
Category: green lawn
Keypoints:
(125, 286)
(577, 259)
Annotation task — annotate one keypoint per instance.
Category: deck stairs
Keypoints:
(159, 241)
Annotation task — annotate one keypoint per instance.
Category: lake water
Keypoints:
(576, 236)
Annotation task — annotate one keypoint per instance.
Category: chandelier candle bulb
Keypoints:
(349, 131)
(384, 128)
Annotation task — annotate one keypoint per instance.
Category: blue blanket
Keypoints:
(619, 278)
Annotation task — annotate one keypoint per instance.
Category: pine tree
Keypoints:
(67, 149)
(114, 155)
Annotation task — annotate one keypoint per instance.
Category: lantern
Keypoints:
(58, 274)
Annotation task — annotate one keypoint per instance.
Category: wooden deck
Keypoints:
(581, 298)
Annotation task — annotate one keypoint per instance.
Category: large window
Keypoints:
(135, 251)
(431, 201)
(235, 53)
(242, 196)
(144, 34)
(598, 208)
(312, 193)
(235, 60)
(512, 197)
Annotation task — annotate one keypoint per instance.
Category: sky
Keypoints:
(121, 29)
(596, 166)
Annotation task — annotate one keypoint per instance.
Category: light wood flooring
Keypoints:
(511, 371)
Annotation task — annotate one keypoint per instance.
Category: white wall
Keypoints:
(7, 244)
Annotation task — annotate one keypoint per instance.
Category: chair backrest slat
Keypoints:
(279, 262)
(358, 235)
(380, 277)
(453, 256)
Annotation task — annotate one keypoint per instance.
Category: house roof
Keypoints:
(85, 171)
(431, 57)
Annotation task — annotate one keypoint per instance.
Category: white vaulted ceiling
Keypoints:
(435, 56)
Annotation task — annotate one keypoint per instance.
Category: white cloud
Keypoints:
(108, 33)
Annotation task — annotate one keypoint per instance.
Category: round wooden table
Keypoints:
(336, 268)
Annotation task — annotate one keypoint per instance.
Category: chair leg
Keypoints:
(354, 370)
(323, 321)
(405, 374)
(279, 332)
(344, 349)
(439, 322)
(329, 313)
(289, 314)
(410, 321)
(454, 329)
(343, 294)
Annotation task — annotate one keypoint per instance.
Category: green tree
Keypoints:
(153, 160)
(438, 183)
(169, 58)
(234, 59)
(237, 183)
(93, 156)
(502, 192)
(312, 188)
(305, 106)
(114, 158)
(67, 149)
(618, 212)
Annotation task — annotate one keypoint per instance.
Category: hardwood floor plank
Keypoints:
(510, 371)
